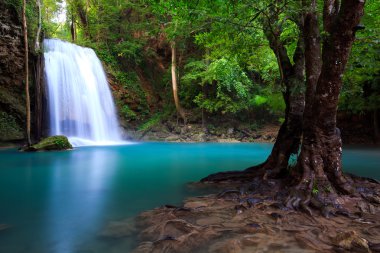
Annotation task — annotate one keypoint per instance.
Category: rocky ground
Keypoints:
(172, 132)
(353, 132)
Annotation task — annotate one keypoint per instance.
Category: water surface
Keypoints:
(59, 201)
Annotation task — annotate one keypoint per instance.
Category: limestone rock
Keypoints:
(58, 142)
(12, 105)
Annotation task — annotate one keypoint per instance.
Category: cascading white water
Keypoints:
(80, 101)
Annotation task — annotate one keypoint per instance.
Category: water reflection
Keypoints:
(78, 196)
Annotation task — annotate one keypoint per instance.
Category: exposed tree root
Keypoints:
(267, 216)
(274, 167)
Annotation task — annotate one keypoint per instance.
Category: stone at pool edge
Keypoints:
(51, 143)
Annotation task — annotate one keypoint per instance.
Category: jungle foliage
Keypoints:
(225, 63)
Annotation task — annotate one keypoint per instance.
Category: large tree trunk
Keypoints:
(320, 159)
(289, 135)
(27, 97)
(319, 163)
(174, 82)
(313, 59)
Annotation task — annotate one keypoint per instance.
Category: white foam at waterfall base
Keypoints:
(80, 101)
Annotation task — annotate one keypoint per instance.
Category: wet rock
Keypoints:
(177, 130)
(366, 208)
(200, 137)
(195, 204)
(58, 142)
(375, 247)
(371, 209)
(184, 130)
(236, 225)
(172, 138)
(253, 225)
(250, 228)
(276, 215)
(267, 137)
(229, 194)
(229, 246)
(184, 236)
(351, 241)
(240, 209)
(253, 201)
(209, 221)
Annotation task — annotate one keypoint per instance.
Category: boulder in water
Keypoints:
(57, 142)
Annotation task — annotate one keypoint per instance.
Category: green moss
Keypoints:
(13, 101)
(156, 119)
(9, 129)
(58, 142)
(128, 113)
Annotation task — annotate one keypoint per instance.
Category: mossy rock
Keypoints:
(58, 142)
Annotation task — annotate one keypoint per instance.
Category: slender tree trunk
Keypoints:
(174, 83)
(320, 159)
(376, 125)
(73, 29)
(26, 52)
(38, 113)
(83, 17)
(37, 43)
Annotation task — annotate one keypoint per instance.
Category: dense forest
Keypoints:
(302, 76)
(212, 63)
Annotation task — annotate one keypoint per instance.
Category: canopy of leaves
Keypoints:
(225, 63)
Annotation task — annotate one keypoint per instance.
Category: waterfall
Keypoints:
(79, 99)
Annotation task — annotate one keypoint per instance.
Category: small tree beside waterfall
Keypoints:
(26, 56)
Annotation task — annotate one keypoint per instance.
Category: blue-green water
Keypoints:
(59, 201)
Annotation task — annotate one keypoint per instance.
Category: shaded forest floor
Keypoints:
(172, 132)
(353, 132)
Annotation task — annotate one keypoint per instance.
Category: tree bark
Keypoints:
(39, 97)
(37, 43)
(73, 29)
(174, 83)
(376, 125)
(313, 58)
(83, 17)
(289, 135)
(321, 152)
(319, 165)
(26, 66)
